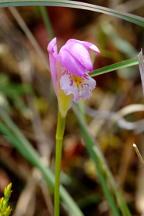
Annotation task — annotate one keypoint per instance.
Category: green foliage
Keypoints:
(5, 209)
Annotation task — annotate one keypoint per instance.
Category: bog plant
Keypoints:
(5, 209)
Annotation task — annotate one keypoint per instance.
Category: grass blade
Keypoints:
(115, 66)
(72, 4)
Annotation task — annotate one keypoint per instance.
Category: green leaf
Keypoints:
(72, 4)
(115, 66)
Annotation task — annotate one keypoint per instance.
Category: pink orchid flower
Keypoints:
(69, 71)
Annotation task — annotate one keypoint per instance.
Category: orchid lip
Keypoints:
(79, 87)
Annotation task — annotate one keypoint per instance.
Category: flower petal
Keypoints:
(70, 63)
(52, 50)
(75, 56)
(52, 46)
(87, 45)
(70, 85)
(80, 54)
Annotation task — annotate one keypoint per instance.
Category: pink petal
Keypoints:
(52, 46)
(87, 45)
(70, 63)
(74, 55)
(80, 54)
(52, 50)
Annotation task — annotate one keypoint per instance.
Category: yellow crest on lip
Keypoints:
(77, 80)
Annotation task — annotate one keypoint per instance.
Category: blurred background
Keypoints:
(115, 112)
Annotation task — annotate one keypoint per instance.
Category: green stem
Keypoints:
(59, 141)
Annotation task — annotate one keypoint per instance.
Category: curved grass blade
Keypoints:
(115, 66)
(72, 4)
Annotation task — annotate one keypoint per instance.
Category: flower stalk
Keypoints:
(59, 141)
